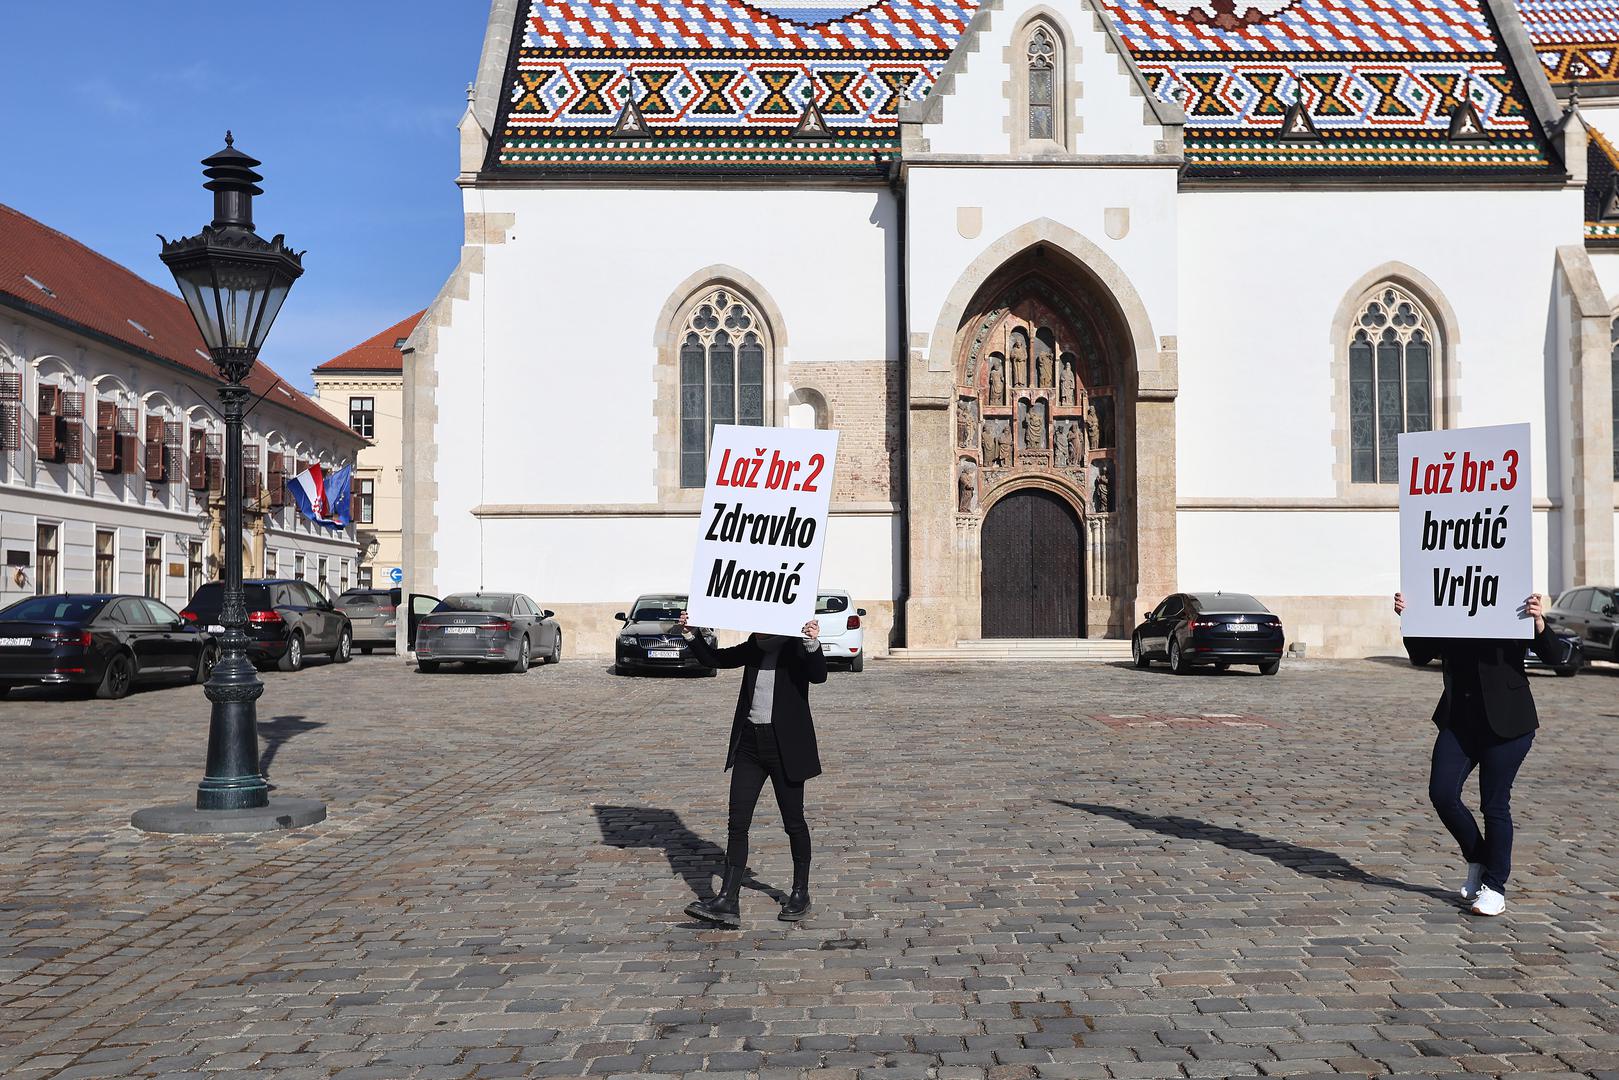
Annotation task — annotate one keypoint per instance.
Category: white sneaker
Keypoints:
(1475, 878)
(1488, 902)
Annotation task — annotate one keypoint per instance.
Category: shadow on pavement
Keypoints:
(1312, 862)
(695, 859)
(275, 732)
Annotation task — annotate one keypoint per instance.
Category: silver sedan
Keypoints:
(507, 629)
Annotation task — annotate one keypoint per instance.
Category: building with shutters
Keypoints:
(365, 388)
(1109, 298)
(111, 452)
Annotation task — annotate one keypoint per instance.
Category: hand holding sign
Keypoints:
(1465, 540)
(762, 528)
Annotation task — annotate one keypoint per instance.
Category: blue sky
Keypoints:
(351, 106)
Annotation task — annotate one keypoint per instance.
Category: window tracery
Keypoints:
(722, 375)
(1393, 368)
(1041, 56)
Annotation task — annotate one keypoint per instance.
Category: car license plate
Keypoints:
(460, 629)
(664, 654)
(16, 642)
(215, 628)
(1242, 627)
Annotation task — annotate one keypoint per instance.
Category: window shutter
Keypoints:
(278, 480)
(50, 411)
(174, 450)
(156, 461)
(10, 410)
(197, 466)
(250, 473)
(71, 428)
(354, 506)
(106, 436)
(129, 442)
(216, 463)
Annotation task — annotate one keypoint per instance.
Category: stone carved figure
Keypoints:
(1060, 445)
(997, 379)
(1002, 458)
(986, 436)
(966, 421)
(1102, 487)
(966, 486)
(1095, 371)
(1065, 380)
(1044, 357)
(1076, 443)
(1036, 438)
(1092, 424)
(1020, 358)
(1104, 423)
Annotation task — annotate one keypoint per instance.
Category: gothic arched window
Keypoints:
(1393, 368)
(722, 375)
(1043, 60)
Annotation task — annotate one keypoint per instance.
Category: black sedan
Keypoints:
(507, 629)
(103, 642)
(650, 638)
(1220, 628)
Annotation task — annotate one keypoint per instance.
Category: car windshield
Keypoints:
(355, 596)
(1231, 603)
(54, 608)
(658, 609)
(831, 605)
(211, 597)
(476, 602)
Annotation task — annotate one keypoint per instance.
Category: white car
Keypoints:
(841, 635)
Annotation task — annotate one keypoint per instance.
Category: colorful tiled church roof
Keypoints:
(1576, 40)
(1601, 191)
(723, 85)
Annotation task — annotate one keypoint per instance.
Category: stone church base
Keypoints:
(1340, 626)
(589, 630)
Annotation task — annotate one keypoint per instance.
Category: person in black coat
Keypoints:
(772, 737)
(1486, 720)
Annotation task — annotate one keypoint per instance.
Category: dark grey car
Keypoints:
(507, 629)
(1591, 613)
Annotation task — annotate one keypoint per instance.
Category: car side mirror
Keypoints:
(1607, 609)
(177, 624)
(548, 614)
(621, 617)
(1146, 616)
(860, 611)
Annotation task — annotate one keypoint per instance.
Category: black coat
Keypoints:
(1504, 688)
(790, 711)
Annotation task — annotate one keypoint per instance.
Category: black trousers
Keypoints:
(758, 757)
(1455, 756)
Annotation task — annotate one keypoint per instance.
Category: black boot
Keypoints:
(797, 904)
(726, 908)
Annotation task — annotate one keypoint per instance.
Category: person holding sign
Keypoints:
(1486, 719)
(772, 737)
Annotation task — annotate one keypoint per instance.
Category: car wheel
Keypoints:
(365, 650)
(345, 648)
(427, 667)
(1177, 659)
(620, 669)
(858, 663)
(523, 659)
(1270, 667)
(118, 678)
(293, 658)
(709, 673)
(5, 688)
(1222, 666)
(556, 653)
(205, 663)
(1569, 672)
(1137, 653)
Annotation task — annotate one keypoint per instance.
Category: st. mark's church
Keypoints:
(1107, 298)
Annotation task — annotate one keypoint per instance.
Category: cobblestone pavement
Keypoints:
(1020, 871)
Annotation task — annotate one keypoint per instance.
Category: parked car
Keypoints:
(1590, 613)
(1567, 663)
(373, 616)
(1220, 628)
(650, 638)
(102, 641)
(287, 621)
(842, 637)
(487, 628)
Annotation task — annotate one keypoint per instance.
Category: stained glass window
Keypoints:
(722, 376)
(1391, 382)
(1042, 57)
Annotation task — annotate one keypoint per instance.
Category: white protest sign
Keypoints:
(763, 524)
(1466, 560)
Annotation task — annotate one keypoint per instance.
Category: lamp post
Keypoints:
(234, 283)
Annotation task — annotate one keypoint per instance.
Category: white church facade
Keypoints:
(1108, 298)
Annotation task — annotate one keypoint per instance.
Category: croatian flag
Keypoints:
(323, 499)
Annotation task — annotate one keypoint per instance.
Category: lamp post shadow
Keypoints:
(276, 732)
(695, 859)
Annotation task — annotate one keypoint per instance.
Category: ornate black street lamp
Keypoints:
(234, 282)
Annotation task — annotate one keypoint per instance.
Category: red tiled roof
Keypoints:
(377, 353)
(91, 293)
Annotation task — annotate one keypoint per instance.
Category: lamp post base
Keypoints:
(186, 818)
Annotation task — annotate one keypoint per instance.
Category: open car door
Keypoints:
(420, 606)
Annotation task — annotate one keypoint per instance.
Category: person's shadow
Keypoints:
(695, 859)
(1309, 861)
(275, 732)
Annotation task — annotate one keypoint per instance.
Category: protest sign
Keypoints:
(763, 524)
(1466, 560)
